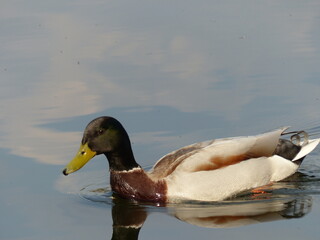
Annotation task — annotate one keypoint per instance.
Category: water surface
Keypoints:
(173, 73)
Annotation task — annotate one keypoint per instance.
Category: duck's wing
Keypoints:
(225, 152)
(211, 155)
(168, 163)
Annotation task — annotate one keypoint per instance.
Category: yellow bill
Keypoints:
(82, 157)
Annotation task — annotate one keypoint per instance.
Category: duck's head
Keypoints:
(104, 135)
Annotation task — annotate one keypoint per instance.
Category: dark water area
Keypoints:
(173, 73)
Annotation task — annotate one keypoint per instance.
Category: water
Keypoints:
(173, 73)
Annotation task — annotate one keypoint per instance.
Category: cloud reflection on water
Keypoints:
(81, 66)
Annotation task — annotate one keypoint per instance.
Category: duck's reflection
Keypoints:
(239, 214)
(128, 217)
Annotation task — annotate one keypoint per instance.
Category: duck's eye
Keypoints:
(100, 131)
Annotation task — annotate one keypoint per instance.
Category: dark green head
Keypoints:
(104, 135)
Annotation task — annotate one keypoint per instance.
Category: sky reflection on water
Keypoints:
(174, 73)
(65, 64)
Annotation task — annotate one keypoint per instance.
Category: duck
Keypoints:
(213, 170)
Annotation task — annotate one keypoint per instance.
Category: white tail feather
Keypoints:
(312, 144)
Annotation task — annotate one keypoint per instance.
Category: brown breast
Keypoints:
(136, 184)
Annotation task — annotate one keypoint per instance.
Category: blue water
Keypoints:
(173, 73)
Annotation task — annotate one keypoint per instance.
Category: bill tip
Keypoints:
(64, 171)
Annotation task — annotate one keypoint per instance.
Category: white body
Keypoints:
(219, 169)
(226, 182)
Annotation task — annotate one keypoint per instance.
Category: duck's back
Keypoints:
(214, 154)
(225, 152)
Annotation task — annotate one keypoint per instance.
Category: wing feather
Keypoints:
(168, 163)
(215, 154)
(225, 152)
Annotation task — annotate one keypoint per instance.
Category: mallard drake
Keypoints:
(207, 171)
